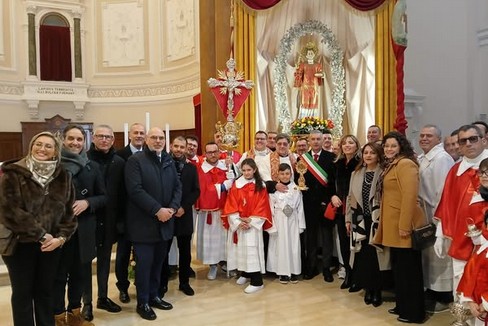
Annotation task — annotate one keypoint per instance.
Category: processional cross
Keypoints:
(230, 89)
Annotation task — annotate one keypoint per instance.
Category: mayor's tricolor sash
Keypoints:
(315, 169)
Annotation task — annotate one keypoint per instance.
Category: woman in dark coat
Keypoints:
(346, 161)
(78, 253)
(36, 198)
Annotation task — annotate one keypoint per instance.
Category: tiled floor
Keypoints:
(223, 302)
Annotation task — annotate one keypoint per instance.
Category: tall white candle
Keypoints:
(126, 134)
(167, 137)
(148, 121)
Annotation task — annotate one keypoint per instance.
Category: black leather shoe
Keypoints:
(309, 276)
(124, 297)
(368, 297)
(145, 311)
(87, 312)
(328, 276)
(393, 311)
(159, 303)
(186, 289)
(354, 288)
(376, 300)
(107, 304)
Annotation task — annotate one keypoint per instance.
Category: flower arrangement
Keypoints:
(307, 124)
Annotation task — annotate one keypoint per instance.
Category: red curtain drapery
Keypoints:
(365, 5)
(260, 4)
(197, 105)
(55, 53)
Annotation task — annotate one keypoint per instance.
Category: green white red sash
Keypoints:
(315, 169)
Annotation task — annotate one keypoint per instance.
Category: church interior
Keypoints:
(117, 62)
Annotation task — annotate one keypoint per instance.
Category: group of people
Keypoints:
(68, 205)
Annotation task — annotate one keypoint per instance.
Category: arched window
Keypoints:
(55, 48)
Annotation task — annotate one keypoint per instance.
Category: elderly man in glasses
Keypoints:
(154, 194)
(112, 170)
(461, 203)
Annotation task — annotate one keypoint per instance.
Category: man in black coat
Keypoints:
(137, 136)
(183, 217)
(154, 195)
(112, 170)
(319, 193)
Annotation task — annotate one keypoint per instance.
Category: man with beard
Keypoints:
(183, 217)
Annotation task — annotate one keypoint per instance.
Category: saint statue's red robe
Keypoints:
(306, 79)
(458, 208)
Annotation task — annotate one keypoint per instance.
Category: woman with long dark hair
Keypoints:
(362, 217)
(247, 212)
(399, 215)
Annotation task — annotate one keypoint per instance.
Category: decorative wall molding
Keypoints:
(6, 40)
(482, 36)
(147, 91)
(8, 89)
(122, 43)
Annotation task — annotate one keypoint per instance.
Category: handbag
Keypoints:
(423, 237)
(8, 241)
(330, 211)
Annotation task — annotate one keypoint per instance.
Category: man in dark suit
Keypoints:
(183, 217)
(320, 180)
(154, 196)
(137, 135)
(112, 170)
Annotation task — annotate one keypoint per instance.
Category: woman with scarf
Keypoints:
(349, 154)
(36, 198)
(362, 217)
(399, 215)
(78, 253)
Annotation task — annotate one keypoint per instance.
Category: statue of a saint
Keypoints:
(309, 76)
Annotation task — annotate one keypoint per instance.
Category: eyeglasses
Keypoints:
(483, 173)
(213, 152)
(108, 137)
(156, 137)
(472, 140)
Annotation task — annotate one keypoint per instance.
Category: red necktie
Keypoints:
(316, 157)
(209, 218)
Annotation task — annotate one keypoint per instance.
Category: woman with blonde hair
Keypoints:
(346, 161)
(36, 198)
